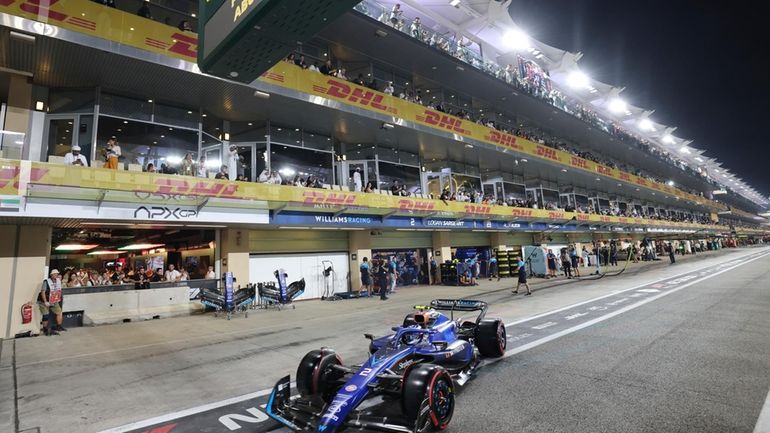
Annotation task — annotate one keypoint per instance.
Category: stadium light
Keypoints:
(684, 149)
(670, 183)
(668, 139)
(578, 80)
(618, 105)
(646, 124)
(516, 39)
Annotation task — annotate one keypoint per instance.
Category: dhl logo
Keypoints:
(42, 9)
(503, 139)
(623, 220)
(603, 170)
(415, 205)
(579, 162)
(356, 95)
(656, 185)
(523, 213)
(605, 219)
(556, 215)
(9, 176)
(624, 176)
(182, 44)
(180, 186)
(443, 121)
(641, 181)
(317, 197)
(478, 210)
(546, 152)
(583, 217)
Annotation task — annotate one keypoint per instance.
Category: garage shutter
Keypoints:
(274, 241)
(468, 239)
(399, 239)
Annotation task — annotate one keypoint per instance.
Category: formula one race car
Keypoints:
(418, 366)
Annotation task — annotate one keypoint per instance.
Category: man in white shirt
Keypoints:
(74, 157)
(357, 183)
(389, 88)
(172, 274)
(210, 275)
(232, 162)
(264, 176)
(275, 178)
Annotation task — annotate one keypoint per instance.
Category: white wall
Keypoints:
(306, 265)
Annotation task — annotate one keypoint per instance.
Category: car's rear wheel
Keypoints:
(491, 338)
(409, 321)
(315, 375)
(428, 397)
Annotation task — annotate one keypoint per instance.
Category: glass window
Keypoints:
(143, 143)
(85, 135)
(466, 183)
(60, 136)
(248, 131)
(293, 162)
(407, 176)
(71, 101)
(360, 151)
(282, 134)
(176, 116)
(125, 107)
(316, 141)
(514, 191)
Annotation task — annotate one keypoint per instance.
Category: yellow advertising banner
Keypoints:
(19, 178)
(94, 19)
(108, 23)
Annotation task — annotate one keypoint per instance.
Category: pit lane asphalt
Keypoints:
(697, 360)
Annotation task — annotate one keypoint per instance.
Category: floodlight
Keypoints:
(668, 139)
(578, 80)
(646, 124)
(516, 39)
(617, 105)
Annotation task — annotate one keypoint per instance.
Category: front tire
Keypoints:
(315, 378)
(491, 338)
(428, 397)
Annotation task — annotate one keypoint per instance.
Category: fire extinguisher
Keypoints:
(26, 313)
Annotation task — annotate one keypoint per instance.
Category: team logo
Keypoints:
(351, 388)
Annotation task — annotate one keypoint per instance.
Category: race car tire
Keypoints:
(409, 321)
(314, 378)
(491, 338)
(427, 397)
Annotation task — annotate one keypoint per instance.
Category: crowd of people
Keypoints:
(118, 274)
(529, 78)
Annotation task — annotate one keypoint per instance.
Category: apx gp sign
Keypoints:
(164, 213)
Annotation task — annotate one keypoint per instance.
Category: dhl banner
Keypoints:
(20, 178)
(94, 19)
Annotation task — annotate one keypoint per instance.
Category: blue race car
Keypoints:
(418, 366)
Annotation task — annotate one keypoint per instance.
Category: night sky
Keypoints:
(701, 65)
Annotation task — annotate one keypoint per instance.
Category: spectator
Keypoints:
(74, 157)
(359, 79)
(232, 162)
(357, 180)
(202, 171)
(150, 168)
(275, 178)
(188, 165)
(144, 11)
(156, 276)
(185, 276)
(222, 174)
(108, 3)
(314, 67)
(416, 28)
(210, 275)
(49, 302)
(327, 68)
(389, 88)
(298, 181)
(172, 274)
(369, 187)
(112, 154)
(264, 176)
(395, 15)
(300, 61)
(185, 26)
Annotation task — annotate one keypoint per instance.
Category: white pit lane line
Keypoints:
(763, 426)
(763, 423)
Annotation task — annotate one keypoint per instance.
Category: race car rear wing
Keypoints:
(464, 305)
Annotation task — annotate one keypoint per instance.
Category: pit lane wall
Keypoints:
(93, 19)
(23, 182)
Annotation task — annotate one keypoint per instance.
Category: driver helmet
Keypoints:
(426, 319)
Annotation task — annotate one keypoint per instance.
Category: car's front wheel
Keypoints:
(315, 375)
(428, 397)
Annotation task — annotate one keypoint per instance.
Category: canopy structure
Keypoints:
(487, 28)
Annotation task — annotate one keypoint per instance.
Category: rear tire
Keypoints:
(491, 338)
(314, 376)
(428, 397)
(409, 321)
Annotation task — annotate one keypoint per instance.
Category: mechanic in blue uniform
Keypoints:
(381, 276)
(493, 269)
(522, 278)
(366, 281)
(472, 270)
(392, 274)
